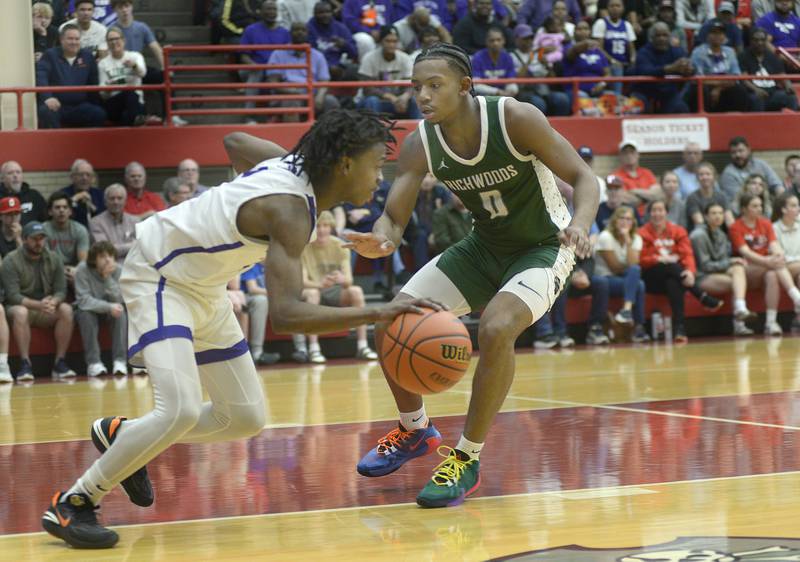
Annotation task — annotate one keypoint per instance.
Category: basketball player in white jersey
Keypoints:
(181, 324)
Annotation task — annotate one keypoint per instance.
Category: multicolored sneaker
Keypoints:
(454, 480)
(75, 522)
(137, 486)
(398, 447)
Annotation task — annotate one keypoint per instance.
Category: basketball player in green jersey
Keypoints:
(496, 154)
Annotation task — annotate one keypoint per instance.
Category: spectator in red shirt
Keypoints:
(753, 238)
(641, 184)
(668, 265)
(141, 203)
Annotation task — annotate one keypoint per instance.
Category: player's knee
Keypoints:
(494, 330)
(185, 416)
(248, 420)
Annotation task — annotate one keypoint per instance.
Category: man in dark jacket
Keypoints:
(471, 30)
(659, 58)
(69, 65)
(12, 184)
(765, 95)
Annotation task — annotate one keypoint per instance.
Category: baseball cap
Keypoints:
(586, 152)
(33, 228)
(523, 30)
(630, 143)
(613, 181)
(9, 205)
(716, 26)
(726, 7)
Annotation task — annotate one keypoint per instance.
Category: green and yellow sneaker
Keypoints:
(456, 478)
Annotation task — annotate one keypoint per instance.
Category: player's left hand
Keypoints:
(576, 238)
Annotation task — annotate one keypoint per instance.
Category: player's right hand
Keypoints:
(369, 244)
(389, 312)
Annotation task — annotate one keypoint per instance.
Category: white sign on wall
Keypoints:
(666, 135)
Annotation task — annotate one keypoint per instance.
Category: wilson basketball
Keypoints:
(426, 353)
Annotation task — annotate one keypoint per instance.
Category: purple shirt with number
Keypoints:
(259, 34)
(484, 67)
(592, 62)
(785, 32)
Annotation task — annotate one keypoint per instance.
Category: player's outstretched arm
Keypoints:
(245, 151)
(530, 133)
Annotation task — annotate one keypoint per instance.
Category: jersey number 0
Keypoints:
(493, 202)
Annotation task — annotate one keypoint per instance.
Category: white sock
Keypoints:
(312, 347)
(300, 342)
(794, 294)
(361, 344)
(469, 447)
(772, 316)
(739, 304)
(417, 419)
(3, 358)
(93, 492)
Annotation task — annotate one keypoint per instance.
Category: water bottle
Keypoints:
(668, 328)
(656, 325)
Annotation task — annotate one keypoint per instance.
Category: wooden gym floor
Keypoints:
(623, 448)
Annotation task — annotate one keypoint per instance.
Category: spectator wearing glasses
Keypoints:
(124, 68)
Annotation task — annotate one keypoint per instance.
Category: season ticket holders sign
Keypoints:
(666, 135)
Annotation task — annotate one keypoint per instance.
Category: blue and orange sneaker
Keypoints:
(396, 448)
(75, 522)
(455, 479)
(137, 486)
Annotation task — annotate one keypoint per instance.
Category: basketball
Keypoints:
(426, 353)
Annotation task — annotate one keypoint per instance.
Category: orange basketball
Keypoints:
(426, 353)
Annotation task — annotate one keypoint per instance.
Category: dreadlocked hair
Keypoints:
(339, 133)
(455, 57)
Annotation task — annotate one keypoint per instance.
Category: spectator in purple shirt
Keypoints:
(782, 25)
(331, 38)
(364, 19)
(533, 12)
(586, 58)
(494, 62)
(438, 8)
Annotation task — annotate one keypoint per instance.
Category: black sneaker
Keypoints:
(137, 485)
(25, 372)
(711, 303)
(596, 336)
(640, 335)
(61, 370)
(75, 522)
(268, 358)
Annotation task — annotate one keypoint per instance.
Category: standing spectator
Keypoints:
(668, 266)
(254, 288)
(687, 172)
(640, 183)
(617, 36)
(92, 33)
(692, 14)
(323, 101)
(470, 33)
(189, 173)
(527, 65)
(332, 38)
(615, 198)
(714, 58)
(533, 12)
(68, 65)
(365, 19)
(451, 223)
(790, 166)
(124, 68)
(753, 238)
(755, 184)
(176, 191)
(766, 94)
(35, 286)
(494, 62)
(114, 224)
(87, 200)
(676, 206)
(718, 272)
(34, 207)
(782, 25)
(742, 165)
(10, 231)
(141, 203)
(726, 22)
(388, 63)
(103, 11)
(787, 231)
(708, 193)
(659, 58)
(98, 298)
(410, 27)
(666, 15)
(67, 238)
(586, 58)
(45, 35)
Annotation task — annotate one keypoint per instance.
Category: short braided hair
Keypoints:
(456, 58)
(339, 133)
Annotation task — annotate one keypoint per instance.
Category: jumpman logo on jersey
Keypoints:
(442, 166)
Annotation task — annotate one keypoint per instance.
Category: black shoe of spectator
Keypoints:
(709, 302)
(268, 358)
(300, 356)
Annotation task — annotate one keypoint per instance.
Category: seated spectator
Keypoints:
(494, 62)
(586, 58)
(668, 266)
(451, 223)
(791, 164)
(640, 183)
(256, 303)
(189, 173)
(615, 198)
(410, 27)
(714, 58)
(659, 58)
(676, 206)
(718, 272)
(323, 101)
(550, 41)
(560, 14)
(765, 94)
(176, 191)
(760, 8)
(402, 8)
(470, 33)
(35, 286)
(114, 224)
(68, 65)
(533, 12)
(617, 263)
(12, 184)
(365, 19)
(753, 239)
(126, 68)
(11, 229)
(229, 19)
(92, 33)
(666, 14)
(332, 38)
(692, 14)
(527, 65)
(328, 280)
(67, 238)
(265, 32)
(428, 37)
(782, 25)
(687, 172)
(45, 35)
(140, 203)
(98, 298)
(617, 37)
(87, 200)
(755, 184)
(708, 193)
(727, 20)
(787, 230)
(388, 63)
(743, 164)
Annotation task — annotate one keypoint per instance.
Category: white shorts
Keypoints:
(159, 309)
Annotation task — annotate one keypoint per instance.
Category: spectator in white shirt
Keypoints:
(93, 34)
(123, 68)
(787, 230)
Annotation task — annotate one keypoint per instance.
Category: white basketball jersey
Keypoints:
(198, 243)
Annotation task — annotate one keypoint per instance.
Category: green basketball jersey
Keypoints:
(513, 198)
